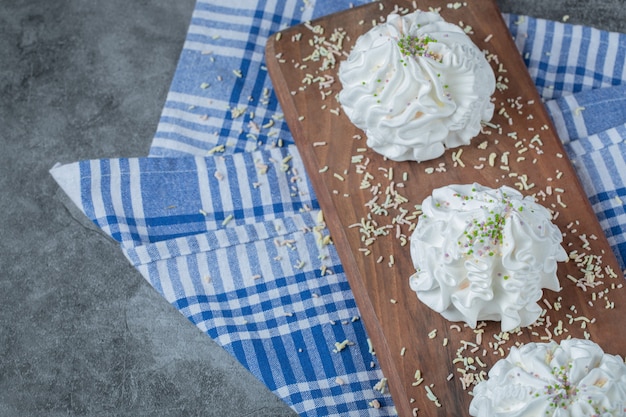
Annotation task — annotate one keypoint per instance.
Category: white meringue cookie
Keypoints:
(416, 85)
(573, 379)
(485, 254)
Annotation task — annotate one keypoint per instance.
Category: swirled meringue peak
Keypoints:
(573, 379)
(416, 85)
(484, 254)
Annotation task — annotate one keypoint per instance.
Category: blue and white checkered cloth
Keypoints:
(222, 220)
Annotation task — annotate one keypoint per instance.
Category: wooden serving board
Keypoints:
(524, 153)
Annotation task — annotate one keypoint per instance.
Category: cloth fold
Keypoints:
(222, 220)
(144, 200)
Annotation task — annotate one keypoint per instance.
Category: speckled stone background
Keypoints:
(81, 332)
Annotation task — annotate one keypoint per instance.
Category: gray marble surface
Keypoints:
(81, 332)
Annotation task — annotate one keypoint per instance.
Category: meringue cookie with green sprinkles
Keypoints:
(485, 254)
(572, 379)
(416, 85)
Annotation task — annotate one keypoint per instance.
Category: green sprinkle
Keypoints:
(417, 46)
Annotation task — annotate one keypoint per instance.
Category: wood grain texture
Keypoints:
(326, 138)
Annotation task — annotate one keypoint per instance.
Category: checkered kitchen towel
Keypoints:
(222, 220)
